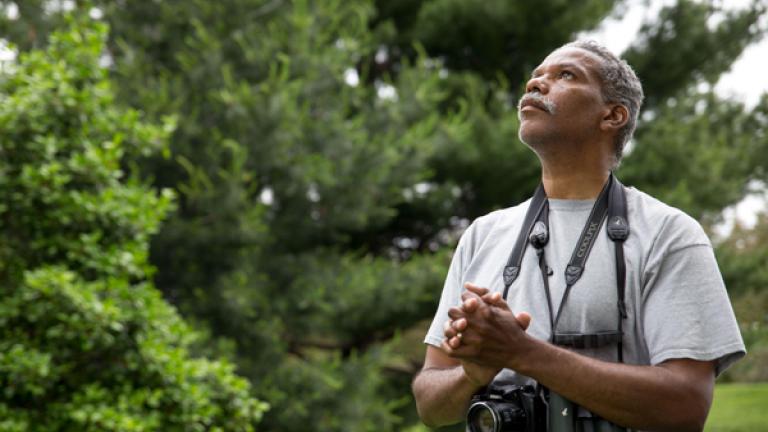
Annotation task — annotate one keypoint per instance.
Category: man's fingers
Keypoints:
(446, 347)
(452, 329)
(491, 298)
(459, 352)
(480, 291)
(451, 344)
(448, 330)
(524, 318)
(470, 304)
(495, 299)
(455, 313)
(466, 295)
(454, 342)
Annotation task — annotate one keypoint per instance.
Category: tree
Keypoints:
(690, 136)
(262, 117)
(87, 342)
(743, 256)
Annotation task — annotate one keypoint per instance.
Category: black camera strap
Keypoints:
(618, 230)
(611, 203)
(512, 269)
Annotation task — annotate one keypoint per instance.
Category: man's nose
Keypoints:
(537, 84)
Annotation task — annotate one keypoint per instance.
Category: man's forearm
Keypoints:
(443, 395)
(640, 397)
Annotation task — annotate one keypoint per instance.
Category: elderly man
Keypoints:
(617, 307)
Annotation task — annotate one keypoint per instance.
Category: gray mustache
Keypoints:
(547, 104)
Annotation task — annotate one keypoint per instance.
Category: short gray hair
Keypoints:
(620, 85)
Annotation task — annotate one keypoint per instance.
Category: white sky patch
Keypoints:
(7, 53)
(629, 147)
(419, 190)
(386, 91)
(745, 212)
(422, 188)
(351, 77)
(406, 243)
(59, 6)
(105, 60)
(12, 11)
(96, 13)
(312, 193)
(746, 80)
(382, 55)
(617, 33)
(267, 196)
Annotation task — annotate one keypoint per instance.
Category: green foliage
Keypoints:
(687, 136)
(87, 343)
(286, 174)
(487, 37)
(693, 140)
(692, 42)
(742, 258)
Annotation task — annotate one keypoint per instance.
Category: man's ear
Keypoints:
(616, 116)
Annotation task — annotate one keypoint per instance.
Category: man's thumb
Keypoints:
(524, 318)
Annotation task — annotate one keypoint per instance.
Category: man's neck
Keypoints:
(575, 185)
(575, 169)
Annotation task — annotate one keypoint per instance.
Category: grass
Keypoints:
(739, 407)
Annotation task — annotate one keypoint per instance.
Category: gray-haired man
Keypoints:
(677, 330)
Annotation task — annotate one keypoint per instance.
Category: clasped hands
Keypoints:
(484, 334)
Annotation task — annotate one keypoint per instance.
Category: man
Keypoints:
(678, 328)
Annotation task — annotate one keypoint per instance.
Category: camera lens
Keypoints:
(481, 418)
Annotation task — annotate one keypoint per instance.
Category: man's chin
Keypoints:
(531, 138)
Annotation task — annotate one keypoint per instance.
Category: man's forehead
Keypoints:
(572, 56)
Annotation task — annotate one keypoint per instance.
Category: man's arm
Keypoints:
(445, 385)
(674, 395)
(442, 389)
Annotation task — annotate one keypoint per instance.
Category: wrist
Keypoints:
(473, 382)
(527, 355)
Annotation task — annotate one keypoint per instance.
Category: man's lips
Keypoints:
(531, 103)
(532, 108)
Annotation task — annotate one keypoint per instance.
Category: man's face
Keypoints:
(563, 101)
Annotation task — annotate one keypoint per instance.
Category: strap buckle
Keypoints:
(618, 228)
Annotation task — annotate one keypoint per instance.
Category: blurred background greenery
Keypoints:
(278, 185)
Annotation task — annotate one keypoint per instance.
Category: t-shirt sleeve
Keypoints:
(452, 288)
(686, 310)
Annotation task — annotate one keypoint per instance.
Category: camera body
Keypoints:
(507, 408)
(513, 408)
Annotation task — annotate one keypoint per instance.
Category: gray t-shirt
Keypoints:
(676, 301)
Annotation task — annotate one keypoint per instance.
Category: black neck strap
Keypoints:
(611, 203)
(512, 269)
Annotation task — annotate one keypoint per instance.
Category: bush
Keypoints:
(86, 341)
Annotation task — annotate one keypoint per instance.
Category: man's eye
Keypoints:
(567, 75)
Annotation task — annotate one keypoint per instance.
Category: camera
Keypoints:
(509, 408)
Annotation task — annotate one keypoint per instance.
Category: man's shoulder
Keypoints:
(501, 218)
(494, 224)
(652, 217)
